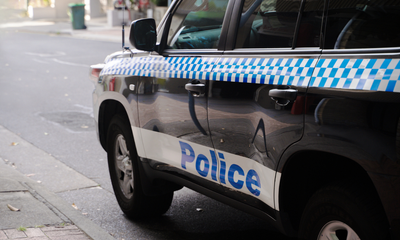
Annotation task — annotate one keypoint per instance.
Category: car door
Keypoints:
(257, 98)
(356, 93)
(172, 101)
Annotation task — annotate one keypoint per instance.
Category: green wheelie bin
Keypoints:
(77, 15)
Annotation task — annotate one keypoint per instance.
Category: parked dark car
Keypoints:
(286, 109)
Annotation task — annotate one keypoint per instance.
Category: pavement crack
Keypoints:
(13, 191)
(77, 189)
(41, 199)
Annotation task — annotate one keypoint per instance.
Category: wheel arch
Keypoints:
(151, 185)
(307, 171)
(107, 110)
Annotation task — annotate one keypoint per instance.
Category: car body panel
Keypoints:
(236, 138)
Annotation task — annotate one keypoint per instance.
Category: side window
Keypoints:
(363, 24)
(272, 24)
(196, 24)
(267, 23)
(310, 24)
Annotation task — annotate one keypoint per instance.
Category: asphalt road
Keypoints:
(45, 98)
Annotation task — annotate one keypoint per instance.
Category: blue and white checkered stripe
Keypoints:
(162, 67)
(279, 71)
(360, 74)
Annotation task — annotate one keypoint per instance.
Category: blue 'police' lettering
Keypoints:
(222, 170)
(231, 174)
(251, 181)
(202, 165)
(186, 158)
(201, 158)
(214, 165)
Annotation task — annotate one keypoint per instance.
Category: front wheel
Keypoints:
(343, 212)
(123, 165)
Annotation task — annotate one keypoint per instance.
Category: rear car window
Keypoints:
(267, 24)
(363, 24)
(272, 24)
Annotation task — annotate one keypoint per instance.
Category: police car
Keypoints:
(286, 109)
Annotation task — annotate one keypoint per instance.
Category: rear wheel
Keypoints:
(343, 211)
(123, 165)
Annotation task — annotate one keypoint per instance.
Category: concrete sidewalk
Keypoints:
(42, 233)
(97, 28)
(40, 214)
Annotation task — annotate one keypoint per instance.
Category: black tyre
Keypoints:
(124, 172)
(343, 211)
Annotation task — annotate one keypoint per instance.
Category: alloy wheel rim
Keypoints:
(123, 167)
(337, 230)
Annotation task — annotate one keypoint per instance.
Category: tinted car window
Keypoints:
(363, 24)
(196, 24)
(310, 24)
(267, 23)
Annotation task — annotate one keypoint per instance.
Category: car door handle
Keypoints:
(197, 89)
(289, 94)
